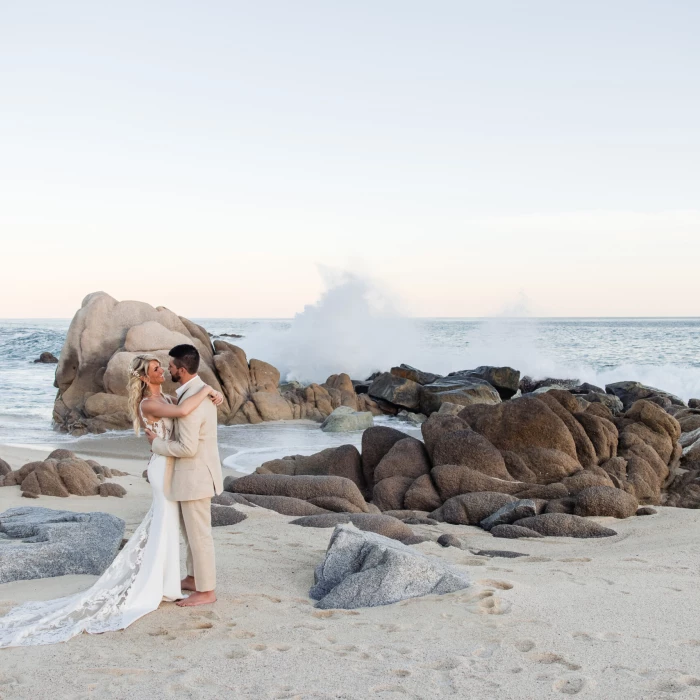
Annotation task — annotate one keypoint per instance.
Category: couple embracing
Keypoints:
(184, 472)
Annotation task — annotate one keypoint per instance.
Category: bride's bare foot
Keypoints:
(187, 584)
(198, 598)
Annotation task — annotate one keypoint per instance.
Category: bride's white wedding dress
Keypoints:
(145, 572)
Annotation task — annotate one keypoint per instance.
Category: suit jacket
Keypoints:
(195, 471)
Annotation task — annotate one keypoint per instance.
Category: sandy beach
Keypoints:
(610, 618)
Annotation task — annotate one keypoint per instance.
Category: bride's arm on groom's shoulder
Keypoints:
(159, 409)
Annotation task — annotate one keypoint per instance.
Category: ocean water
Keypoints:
(661, 352)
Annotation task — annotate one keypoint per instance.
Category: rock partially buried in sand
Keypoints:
(366, 570)
(647, 510)
(513, 532)
(448, 540)
(307, 488)
(58, 543)
(562, 525)
(471, 508)
(510, 512)
(112, 489)
(383, 525)
(221, 516)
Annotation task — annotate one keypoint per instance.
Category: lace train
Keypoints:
(102, 608)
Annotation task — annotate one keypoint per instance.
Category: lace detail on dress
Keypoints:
(162, 427)
(99, 609)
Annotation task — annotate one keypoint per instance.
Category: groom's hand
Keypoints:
(150, 435)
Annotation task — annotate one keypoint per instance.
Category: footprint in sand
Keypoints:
(444, 665)
(243, 634)
(237, 654)
(524, 645)
(401, 672)
(549, 658)
(569, 686)
(582, 560)
(603, 637)
(501, 585)
(473, 561)
(388, 689)
(494, 606)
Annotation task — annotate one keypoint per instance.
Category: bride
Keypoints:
(147, 570)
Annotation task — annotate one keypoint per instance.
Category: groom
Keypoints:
(195, 476)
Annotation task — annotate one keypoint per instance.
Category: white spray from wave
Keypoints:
(357, 327)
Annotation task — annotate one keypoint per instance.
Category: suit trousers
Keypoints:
(195, 521)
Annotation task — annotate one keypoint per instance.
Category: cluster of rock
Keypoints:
(104, 336)
(62, 474)
(56, 543)
(530, 465)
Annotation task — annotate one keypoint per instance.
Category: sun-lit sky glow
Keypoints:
(472, 157)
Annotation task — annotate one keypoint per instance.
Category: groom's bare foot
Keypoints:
(187, 584)
(198, 598)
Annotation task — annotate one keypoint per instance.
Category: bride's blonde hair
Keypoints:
(137, 388)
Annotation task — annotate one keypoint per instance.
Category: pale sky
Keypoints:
(468, 155)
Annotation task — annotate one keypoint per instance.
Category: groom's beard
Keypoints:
(175, 377)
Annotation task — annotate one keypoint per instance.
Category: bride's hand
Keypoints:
(216, 397)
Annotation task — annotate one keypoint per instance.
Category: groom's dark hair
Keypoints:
(185, 357)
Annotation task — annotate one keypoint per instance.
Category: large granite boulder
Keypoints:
(345, 420)
(105, 335)
(396, 390)
(330, 492)
(281, 504)
(564, 525)
(415, 375)
(376, 442)
(505, 380)
(629, 392)
(398, 469)
(528, 385)
(471, 508)
(512, 511)
(102, 329)
(362, 569)
(407, 457)
(342, 461)
(464, 391)
(56, 543)
(522, 423)
(605, 501)
(437, 425)
(422, 495)
(469, 448)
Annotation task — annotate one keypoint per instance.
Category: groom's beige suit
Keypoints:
(192, 477)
